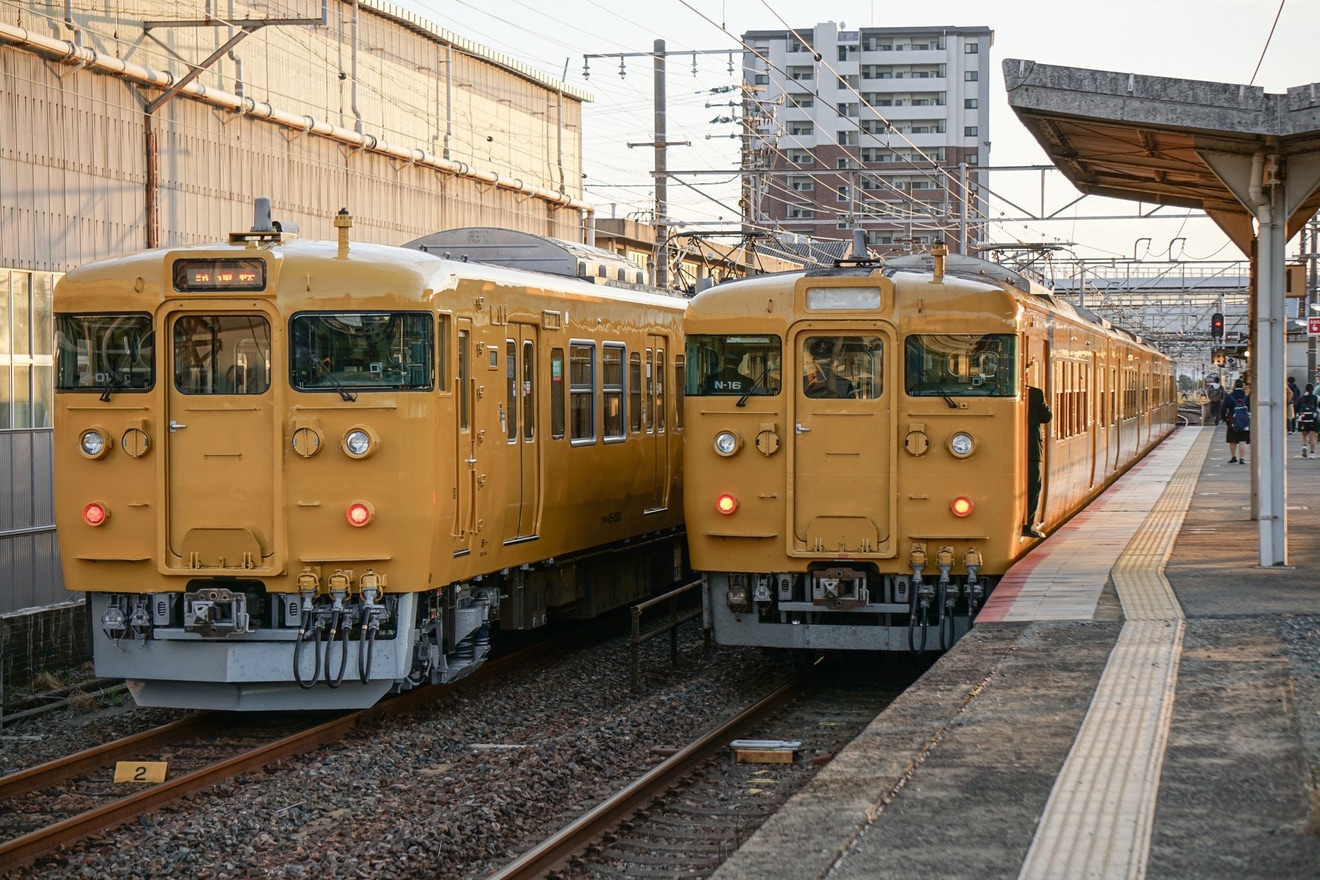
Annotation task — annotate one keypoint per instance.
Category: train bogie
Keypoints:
(302, 474)
(860, 445)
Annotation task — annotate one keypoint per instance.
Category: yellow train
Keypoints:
(859, 459)
(302, 474)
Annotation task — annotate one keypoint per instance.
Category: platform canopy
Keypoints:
(1250, 160)
(1147, 138)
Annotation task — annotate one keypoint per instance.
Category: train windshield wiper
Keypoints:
(742, 401)
(334, 381)
(111, 385)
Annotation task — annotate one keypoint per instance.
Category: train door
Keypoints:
(1040, 374)
(654, 435)
(521, 433)
(843, 444)
(223, 487)
(465, 445)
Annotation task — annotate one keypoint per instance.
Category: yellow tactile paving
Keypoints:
(1097, 823)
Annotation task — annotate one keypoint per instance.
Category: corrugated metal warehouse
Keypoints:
(141, 124)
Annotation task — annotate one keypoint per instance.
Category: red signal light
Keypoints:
(961, 506)
(359, 514)
(726, 504)
(95, 514)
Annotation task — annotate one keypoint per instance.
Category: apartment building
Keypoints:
(879, 128)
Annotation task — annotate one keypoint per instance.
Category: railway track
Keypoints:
(684, 817)
(209, 748)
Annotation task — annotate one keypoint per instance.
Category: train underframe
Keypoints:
(843, 606)
(229, 644)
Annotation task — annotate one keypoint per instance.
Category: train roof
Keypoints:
(535, 253)
(407, 266)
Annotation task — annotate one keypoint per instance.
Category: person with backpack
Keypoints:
(1308, 420)
(1236, 414)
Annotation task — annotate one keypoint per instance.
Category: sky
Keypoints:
(1214, 40)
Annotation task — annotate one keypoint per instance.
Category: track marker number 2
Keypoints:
(141, 771)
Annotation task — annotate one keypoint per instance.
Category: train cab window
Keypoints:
(221, 354)
(557, 393)
(843, 367)
(348, 351)
(962, 365)
(611, 391)
(104, 353)
(733, 366)
(582, 392)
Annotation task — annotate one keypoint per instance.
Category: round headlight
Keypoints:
(961, 444)
(92, 443)
(360, 442)
(726, 443)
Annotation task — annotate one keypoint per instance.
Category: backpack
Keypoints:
(1241, 415)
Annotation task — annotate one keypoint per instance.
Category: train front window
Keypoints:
(843, 367)
(362, 350)
(733, 366)
(962, 365)
(222, 354)
(105, 353)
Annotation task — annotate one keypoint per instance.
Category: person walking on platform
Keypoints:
(1308, 420)
(1294, 395)
(1236, 415)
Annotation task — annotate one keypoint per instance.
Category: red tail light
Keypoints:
(95, 514)
(360, 513)
(961, 506)
(726, 504)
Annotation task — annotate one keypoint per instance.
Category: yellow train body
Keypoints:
(858, 444)
(300, 474)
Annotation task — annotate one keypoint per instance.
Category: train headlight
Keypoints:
(360, 442)
(962, 444)
(95, 514)
(727, 443)
(360, 513)
(726, 504)
(961, 506)
(93, 443)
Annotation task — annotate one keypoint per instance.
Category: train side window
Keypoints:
(648, 395)
(557, 393)
(660, 390)
(511, 388)
(611, 392)
(104, 353)
(464, 371)
(582, 392)
(635, 391)
(529, 390)
(221, 354)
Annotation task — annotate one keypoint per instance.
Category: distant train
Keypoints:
(303, 474)
(858, 443)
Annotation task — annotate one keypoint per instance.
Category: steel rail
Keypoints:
(556, 850)
(37, 843)
(96, 757)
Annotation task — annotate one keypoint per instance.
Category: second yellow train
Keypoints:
(871, 446)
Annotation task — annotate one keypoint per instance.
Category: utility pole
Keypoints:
(660, 141)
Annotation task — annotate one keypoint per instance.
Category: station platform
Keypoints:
(1137, 699)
